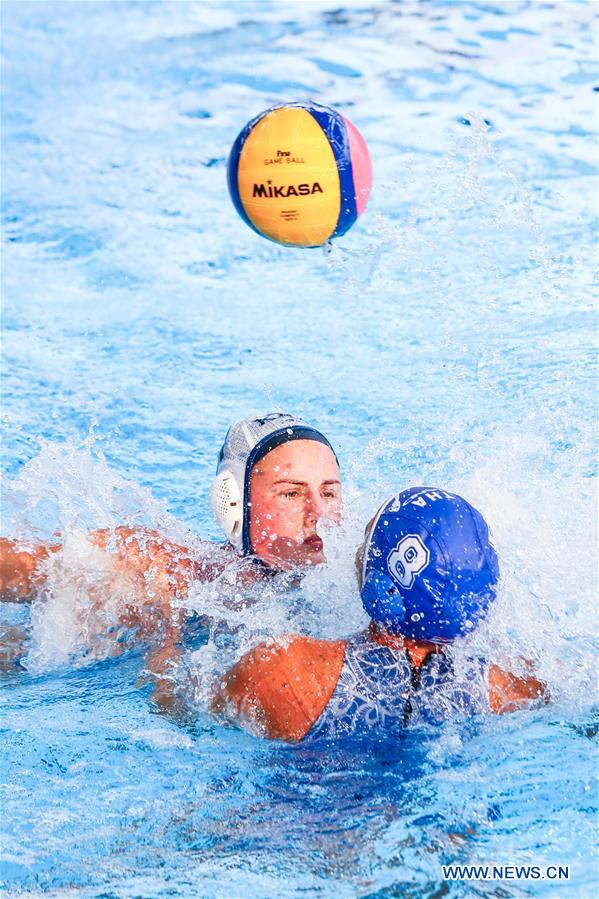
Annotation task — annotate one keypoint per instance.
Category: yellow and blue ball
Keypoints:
(300, 174)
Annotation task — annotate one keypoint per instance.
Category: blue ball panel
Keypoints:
(334, 127)
(233, 166)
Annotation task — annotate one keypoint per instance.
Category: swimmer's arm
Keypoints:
(21, 565)
(279, 692)
(143, 550)
(21, 569)
(509, 692)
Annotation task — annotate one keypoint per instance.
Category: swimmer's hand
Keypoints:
(21, 569)
(509, 692)
(13, 642)
(160, 671)
(156, 573)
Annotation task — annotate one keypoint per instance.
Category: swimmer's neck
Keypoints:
(417, 650)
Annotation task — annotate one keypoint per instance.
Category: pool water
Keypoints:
(448, 339)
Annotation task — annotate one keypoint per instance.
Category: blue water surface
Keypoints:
(447, 339)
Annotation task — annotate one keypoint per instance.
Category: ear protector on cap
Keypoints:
(227, 506)
(381, 598)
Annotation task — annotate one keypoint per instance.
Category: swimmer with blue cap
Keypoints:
(277, 479)
(428, 575)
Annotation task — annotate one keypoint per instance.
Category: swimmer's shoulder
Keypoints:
(281, 689)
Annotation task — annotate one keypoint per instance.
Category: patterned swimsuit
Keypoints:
(380, 692)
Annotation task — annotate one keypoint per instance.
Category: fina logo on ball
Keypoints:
(286, 190)
(284, 156)
(408, 559)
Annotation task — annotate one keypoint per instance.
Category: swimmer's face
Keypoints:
(292, 489)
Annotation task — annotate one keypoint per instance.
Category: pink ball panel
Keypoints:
(361, 166)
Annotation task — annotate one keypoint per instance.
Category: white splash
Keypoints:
(543, 523)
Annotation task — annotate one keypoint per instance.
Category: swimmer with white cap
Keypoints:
(428, 574)
(277, 478)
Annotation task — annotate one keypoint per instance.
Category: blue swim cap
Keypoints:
(430, 570)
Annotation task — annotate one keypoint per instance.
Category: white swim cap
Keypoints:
(246, 443)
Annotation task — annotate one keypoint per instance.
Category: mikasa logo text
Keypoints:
(286, 190)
